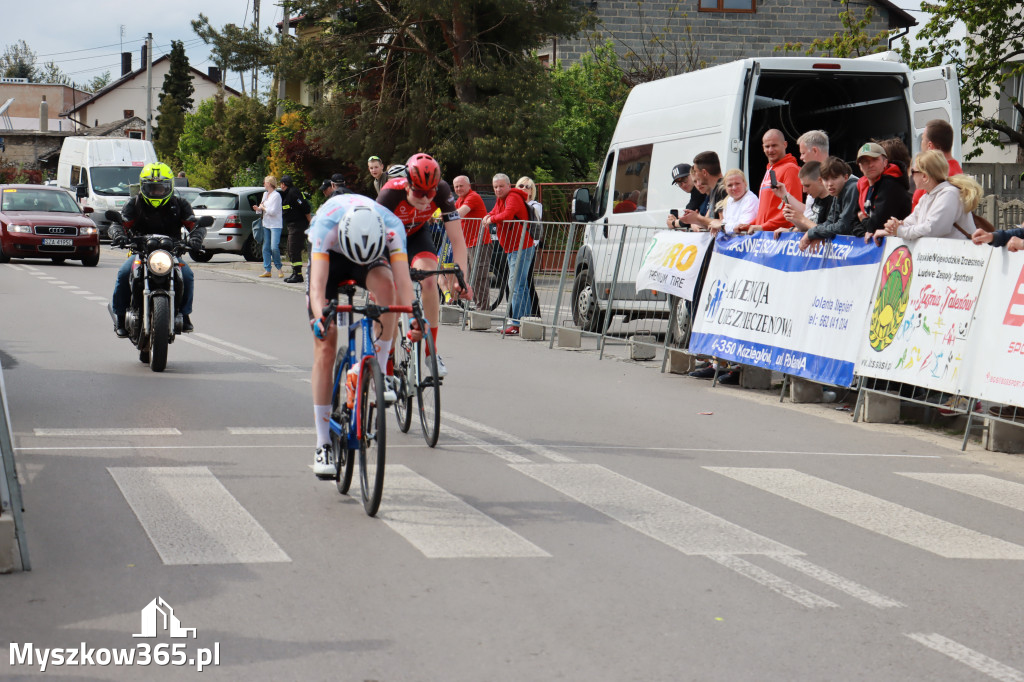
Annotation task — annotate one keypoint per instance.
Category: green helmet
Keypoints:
(156, 184)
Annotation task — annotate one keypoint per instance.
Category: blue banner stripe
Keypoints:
(784, 253)
(797, 363)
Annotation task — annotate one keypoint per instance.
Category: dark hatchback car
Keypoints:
(37, 221)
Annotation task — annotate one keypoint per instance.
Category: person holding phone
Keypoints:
(681, 178)
(782, 172)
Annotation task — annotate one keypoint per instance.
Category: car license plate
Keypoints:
(57, 242)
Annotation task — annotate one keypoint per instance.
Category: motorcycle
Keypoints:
(153, 318)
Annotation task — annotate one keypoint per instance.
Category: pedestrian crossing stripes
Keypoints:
(987, 488)
(969, 657)
(191, 518)
(880, 516)
(65, 433)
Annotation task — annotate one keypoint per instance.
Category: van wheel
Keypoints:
(91, 261)
(585, 312)
(251, 251)
(681, 326)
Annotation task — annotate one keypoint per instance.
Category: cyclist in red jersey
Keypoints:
(414, 201)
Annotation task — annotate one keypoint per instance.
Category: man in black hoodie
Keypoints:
(881, 192)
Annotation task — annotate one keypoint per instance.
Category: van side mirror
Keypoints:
(81, 191)
(581, 211)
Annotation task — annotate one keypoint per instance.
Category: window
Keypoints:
(728, 5)
(135, 134)
(631, 173)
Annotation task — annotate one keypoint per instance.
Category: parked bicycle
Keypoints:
(358, 423)
(415, 366)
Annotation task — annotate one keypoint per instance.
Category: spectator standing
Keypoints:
(842, 215)
(945, 209)
(681, 178)
(741, 205)
(181, 176)
(707, 177)
(898, 154)
(530, 187)
(769, 211)
(270, 209)
(938, 134)
(296, 215)
(881, 195)
(375, 165)
(509, 216)
(813, 146)
(478, 241)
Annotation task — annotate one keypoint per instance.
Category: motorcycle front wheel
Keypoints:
(160, 333)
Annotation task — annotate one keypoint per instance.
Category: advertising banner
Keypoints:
(922, 310)
(767, 303)
(995, 369)
(672, 262)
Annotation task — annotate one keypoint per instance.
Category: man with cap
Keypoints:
(296, 213)
(334, 185)
(681, 179)
(881, 194)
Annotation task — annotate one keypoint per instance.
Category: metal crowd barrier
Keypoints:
(10, 488)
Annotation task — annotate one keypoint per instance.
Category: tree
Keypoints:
(222, 137)
(591, 93)
(98, 82)
(238, 48)
(456, 79)
(989, 62)
(18, 61)
(51, 73)
(852, 41)
(175, 102)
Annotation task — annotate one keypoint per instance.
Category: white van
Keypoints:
(727, 109)
(99, 171)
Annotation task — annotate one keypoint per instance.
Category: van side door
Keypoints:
(934, 93)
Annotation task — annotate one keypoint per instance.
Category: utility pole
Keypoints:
(149, 87)
(255, 25)
(285, 29)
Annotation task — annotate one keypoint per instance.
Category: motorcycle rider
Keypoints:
(156, 210)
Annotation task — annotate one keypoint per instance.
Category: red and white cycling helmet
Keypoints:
(424, 173)
(361, 235)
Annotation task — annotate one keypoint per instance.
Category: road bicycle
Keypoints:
(416, 367)
(359, 427)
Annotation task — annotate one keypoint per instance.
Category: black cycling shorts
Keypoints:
(421, 244)
(341, 270)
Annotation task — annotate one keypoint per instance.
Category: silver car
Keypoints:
(232, 211)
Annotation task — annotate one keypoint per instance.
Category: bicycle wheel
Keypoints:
(405, 377)
(372, 435)
(344, 459)
(428, 393)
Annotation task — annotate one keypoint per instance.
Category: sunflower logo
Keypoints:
(892, 300)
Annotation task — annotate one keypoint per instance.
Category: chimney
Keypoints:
(144, 62)
(126, 63)
(214, 73)
(44, 115)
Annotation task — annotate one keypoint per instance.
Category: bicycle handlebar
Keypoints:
(369, 310)
(420, 275)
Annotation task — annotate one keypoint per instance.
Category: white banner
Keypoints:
(767, 303)
(672, 262)
(996, 365)
(922, 310)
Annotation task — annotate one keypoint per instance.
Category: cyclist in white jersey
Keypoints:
(352, 238)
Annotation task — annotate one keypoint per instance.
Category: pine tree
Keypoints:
(175, 102)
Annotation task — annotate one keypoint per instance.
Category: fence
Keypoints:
(10, 489)
(597, 298)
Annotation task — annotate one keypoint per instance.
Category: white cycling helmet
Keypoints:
(397, 171)
(361, 235)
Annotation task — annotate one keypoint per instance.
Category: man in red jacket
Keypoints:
(509, 216)
(787, 174)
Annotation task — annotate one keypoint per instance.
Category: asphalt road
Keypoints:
(579, 519)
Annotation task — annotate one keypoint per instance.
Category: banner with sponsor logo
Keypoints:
(672, 262)
(767, 303)
(996, 363)
(922, 310)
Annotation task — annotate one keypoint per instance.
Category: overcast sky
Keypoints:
(85, 38)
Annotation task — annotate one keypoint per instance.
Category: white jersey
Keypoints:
(323, 231)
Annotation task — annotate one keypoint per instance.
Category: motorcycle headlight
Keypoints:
(160, 262)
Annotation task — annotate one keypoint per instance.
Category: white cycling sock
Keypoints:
(383, 351)
(322, 419)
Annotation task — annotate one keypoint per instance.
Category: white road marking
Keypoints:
(16, 266)
(64, 433)
(191, 518)
(969, 657)
(285, 369)
(640, 448)
(215, 349)
(495, 450)
(837, 581)
(97, 298)
(43, 277)
(69, 286)
(772, 581)
(228, 344)
(82, 293)
(679, 525)
(877, 515)
(442, 526)
(503, 435)
(271, 430)
(1000, 491)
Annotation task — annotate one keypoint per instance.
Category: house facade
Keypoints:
(23, 113)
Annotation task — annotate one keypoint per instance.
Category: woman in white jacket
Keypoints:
(945, 209)
(740, 207)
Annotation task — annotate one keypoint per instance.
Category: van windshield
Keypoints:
(114, 180)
